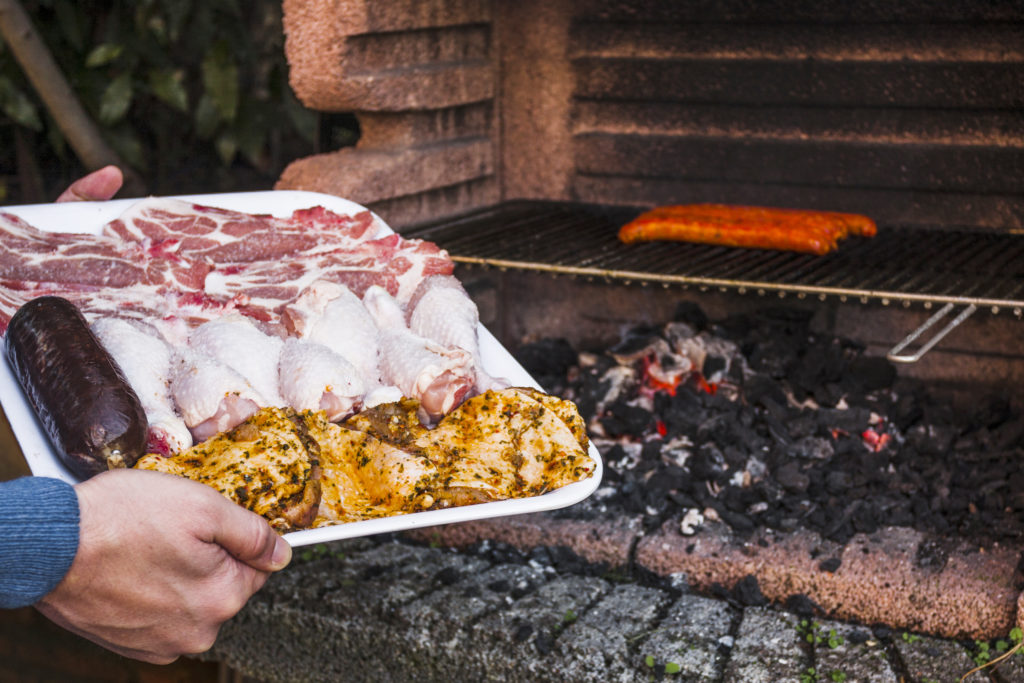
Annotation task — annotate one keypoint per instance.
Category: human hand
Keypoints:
(162, 562)
(97, 186)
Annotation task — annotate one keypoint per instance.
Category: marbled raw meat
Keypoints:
(196, 232)
(171, 311)
(438, 377)
(313, 377)
(28, 253)
(394, 263)
(145, 361)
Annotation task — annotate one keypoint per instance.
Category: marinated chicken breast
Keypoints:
(506, 444)
(269, 464)
(365, 477)
(300, 469)
(501, 444)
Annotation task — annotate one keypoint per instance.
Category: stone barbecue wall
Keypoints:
(909, 113)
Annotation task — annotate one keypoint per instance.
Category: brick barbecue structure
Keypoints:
(910, 114)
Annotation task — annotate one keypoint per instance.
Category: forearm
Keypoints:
(39, 526)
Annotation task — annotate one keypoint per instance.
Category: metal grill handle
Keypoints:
(894, 354)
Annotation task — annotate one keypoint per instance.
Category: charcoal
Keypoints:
(715, 428)
(547, 358)
(830, 565)
(907, 412)
(637, 344)
(993, 411)
(758, 388)
(830, 394)
(804, 424)
(837, 482)
(791, 478)
(691, 314)
(544, 643)
(931, 555)
(734, 454)
(773, 358)
(865, 520)
(813, 448)
(803, 606)
(877, 450)
(675, 477)
(713, 364)
(872, 372)
(522, 632)
(623, 418)
(851, 420)
(717, 402)
(776, 432)
(931, 439)
(708, 462)
(683, 500)
(747, 592)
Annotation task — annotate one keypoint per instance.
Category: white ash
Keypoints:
(691, 521)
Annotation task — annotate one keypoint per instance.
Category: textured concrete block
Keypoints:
(942, 661)
(597, 645)
(689, 640)
(836, 655)
(767, 648)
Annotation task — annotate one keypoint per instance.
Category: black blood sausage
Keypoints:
(91, 414)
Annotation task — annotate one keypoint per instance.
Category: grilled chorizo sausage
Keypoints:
(92, 416)
(816, 232)
(726, 233)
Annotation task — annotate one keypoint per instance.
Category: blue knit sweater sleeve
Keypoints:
(38, 537)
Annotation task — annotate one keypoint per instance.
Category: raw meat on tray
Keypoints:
(196, 304)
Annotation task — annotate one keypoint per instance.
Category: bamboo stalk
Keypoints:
(48, 80)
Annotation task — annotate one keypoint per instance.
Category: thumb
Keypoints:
(97, 186)
(250, 539)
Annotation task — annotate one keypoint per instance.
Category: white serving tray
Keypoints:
(90, 217)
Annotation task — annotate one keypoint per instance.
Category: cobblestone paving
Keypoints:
(393, 611)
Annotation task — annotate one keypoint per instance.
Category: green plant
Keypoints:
(838, 676)
(834, 639)
(174, 85)
(910, 637)
(808, 630)
(809, 676)
(982, 652)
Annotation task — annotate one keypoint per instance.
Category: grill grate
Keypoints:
(904, 265)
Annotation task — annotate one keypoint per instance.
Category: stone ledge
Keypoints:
(370, 176)
(597, 542)
(893, 577)
(882, 578)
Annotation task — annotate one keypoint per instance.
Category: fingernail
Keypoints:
(282, 554)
